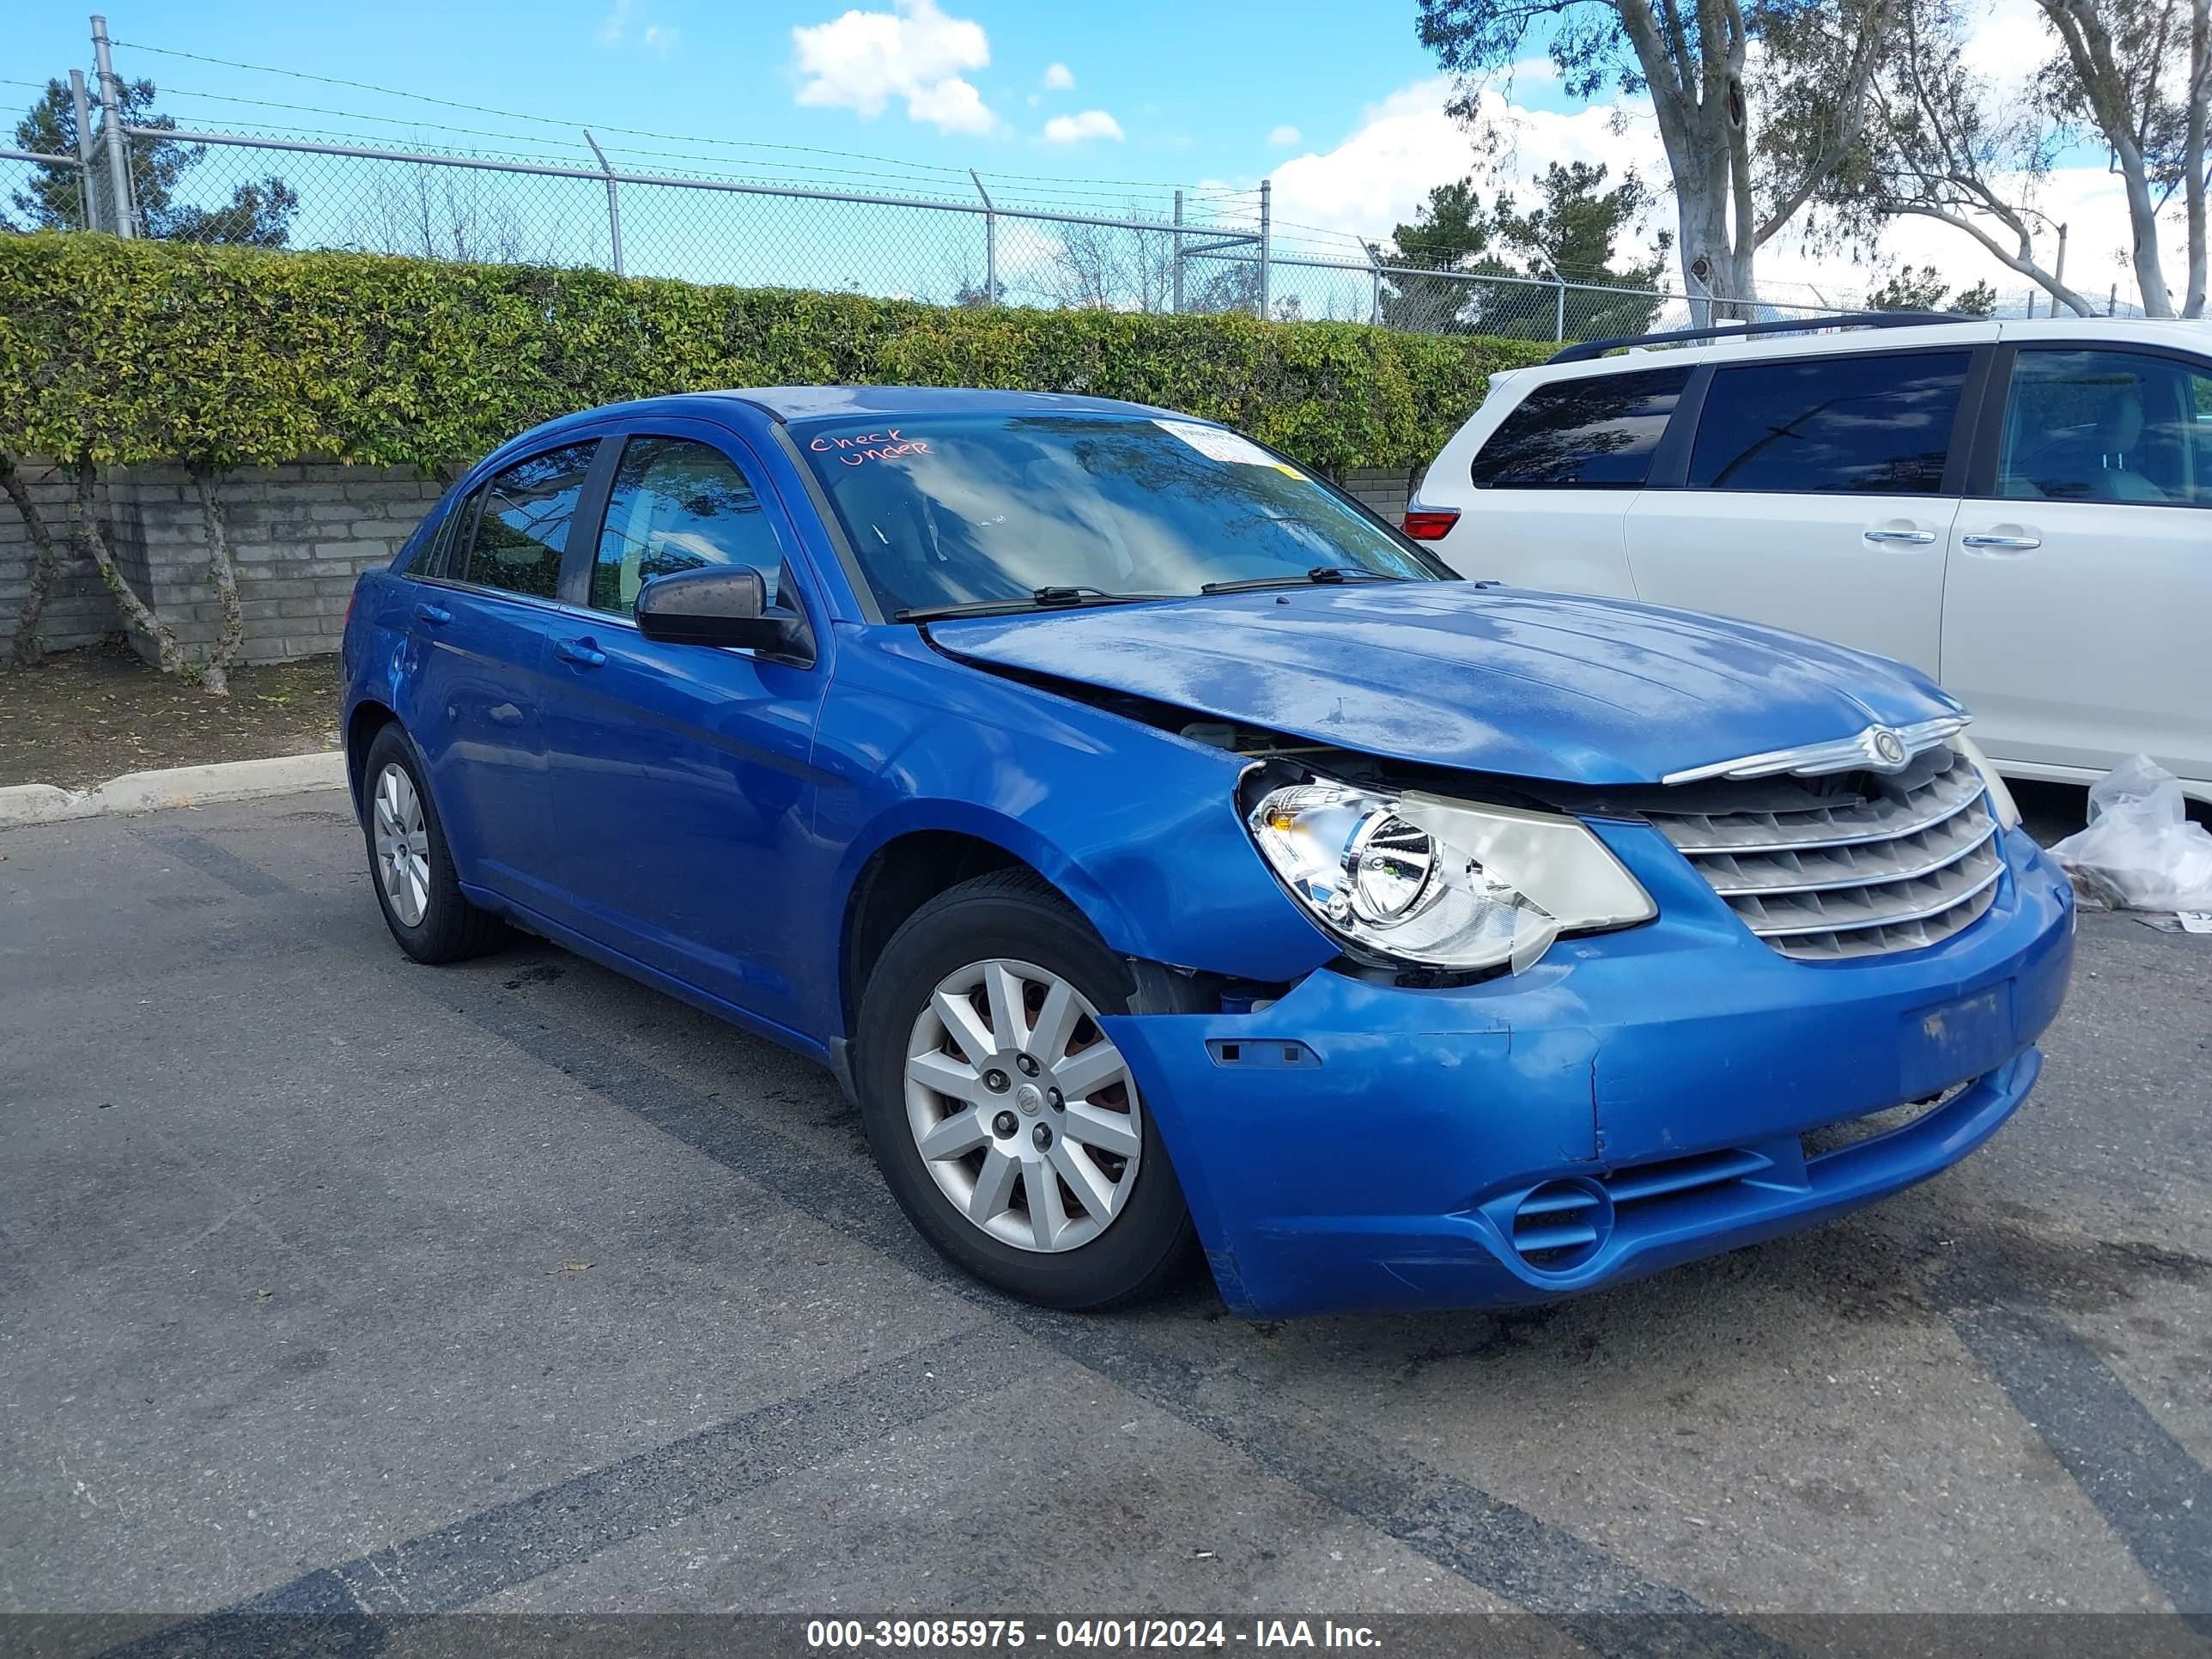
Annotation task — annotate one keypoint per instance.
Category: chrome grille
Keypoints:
(1823, 869)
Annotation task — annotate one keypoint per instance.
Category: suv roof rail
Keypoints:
(1583, 350)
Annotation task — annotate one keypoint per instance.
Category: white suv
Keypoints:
(2019, 508)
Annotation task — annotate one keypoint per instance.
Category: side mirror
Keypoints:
(720, 604)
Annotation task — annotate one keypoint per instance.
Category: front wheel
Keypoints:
(1005, 1121)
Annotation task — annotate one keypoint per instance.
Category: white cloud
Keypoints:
(1074, 129)
(1407, 145)
(1058, 77)
(861, 60)
(1285, 135)
(617, 28)
(950, 106)
(2007, 41)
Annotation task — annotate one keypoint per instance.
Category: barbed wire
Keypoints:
(571, 123)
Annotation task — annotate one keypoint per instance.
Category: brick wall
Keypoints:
(299, 534)
(1384, 493)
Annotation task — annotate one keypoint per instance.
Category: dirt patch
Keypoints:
(84, 716)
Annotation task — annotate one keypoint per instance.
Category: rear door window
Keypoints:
(448, 551)
(524, 528)
(1878, 425)
(2106, 425)
(1594, 432)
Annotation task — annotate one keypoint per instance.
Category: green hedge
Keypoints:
(136, 352)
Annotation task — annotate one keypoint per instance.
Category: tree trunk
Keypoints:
(46, 565)
(2192, 151)
(169, 652)
(2143, 223)
(1718, 276)
(223, 574)
(2088, 44)
(1701, 129)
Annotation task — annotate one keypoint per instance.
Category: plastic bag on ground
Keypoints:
(2140, 851)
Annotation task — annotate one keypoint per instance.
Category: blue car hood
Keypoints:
(1500, 680)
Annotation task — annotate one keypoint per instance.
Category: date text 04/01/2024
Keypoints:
(1076, 1635)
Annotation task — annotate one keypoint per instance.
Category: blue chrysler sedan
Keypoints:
(1166, 854)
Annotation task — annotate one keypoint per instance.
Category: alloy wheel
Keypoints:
(403, 846)
(1023, 1109)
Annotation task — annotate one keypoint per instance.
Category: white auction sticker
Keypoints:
(1217, 444)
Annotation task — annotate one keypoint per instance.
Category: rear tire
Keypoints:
(989, 991)
(409, 863)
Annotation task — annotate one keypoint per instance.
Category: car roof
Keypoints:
(804, 402)
(2186, 335)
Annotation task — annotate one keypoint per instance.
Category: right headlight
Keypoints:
(1437, 883)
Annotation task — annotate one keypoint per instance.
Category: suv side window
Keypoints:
(677, 505)
(523, 529)
(2106, 425)
(1592, 433)
(1877, 425)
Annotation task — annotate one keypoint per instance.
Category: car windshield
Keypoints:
(946, 510)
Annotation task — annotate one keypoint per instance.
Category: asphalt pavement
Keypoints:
(329, 1280)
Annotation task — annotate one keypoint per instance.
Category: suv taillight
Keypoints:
(1431, 526)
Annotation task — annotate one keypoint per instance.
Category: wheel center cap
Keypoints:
(1028, 1099)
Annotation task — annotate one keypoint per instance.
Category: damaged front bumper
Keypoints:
(1636, 1100)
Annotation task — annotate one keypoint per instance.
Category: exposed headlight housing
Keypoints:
(1441, 884)
(2001, 801)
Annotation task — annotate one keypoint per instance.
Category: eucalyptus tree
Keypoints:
(1757, 102)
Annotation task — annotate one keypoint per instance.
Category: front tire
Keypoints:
(410, 866)
(1004, 1121)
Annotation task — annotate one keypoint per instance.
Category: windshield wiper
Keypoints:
(1040, 599)
(1322, 574)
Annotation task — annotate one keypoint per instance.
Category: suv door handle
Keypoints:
(436, 615)
(1910, 537)
(582, 653)
(2002, 543)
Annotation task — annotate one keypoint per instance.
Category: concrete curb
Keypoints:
(178, 786)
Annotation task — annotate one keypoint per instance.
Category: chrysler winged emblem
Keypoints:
(1888, 747)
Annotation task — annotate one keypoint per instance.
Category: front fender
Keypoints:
(1138, 827)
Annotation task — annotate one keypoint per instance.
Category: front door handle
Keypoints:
(2002, 543)
(436, 615)
(582, 653)
(1907, 537)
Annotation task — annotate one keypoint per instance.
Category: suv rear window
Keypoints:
(1877, 425)
(1594, 432)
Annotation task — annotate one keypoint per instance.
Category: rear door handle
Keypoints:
(582, 653)
(2002, 543)
(436, 615)
(1909, 537)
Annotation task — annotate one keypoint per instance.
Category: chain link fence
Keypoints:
(639, 205)
(1181, 251)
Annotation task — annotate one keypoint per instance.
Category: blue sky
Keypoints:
(1334, 100)
(1194, 91)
